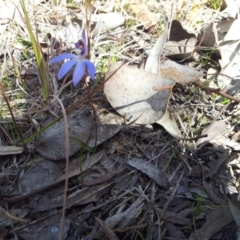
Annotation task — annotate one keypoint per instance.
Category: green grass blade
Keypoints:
(82, 144)
(41, 64)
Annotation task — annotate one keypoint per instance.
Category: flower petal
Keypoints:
(79, 72)
(91, 69)
(84, 37)
(84, 51)
(66, 67)
(61, 57)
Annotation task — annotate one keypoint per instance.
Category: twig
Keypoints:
(10, 216)
(217, 91)
(66, 134)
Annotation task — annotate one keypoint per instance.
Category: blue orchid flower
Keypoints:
(78, 62)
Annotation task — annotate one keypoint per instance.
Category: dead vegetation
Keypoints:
(149, 150)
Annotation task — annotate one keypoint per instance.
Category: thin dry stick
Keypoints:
(66, 135)
(217, 91)
(10, 216)
(162, 88)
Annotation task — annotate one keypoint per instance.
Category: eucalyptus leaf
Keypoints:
(131, 92)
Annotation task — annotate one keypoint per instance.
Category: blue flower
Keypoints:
(78, 62)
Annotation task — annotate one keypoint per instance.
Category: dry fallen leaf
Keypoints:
(216, 220)
(172, 70)
(180, 50)
(107, 22)
(231, 8)
(43, 230)
(212, 131)
(181, 43)
(170, 125)
(78, 197)
(131, 92)
(179, 73)
(142, 96)
(154, 57)
(39, 175)
(51, 143)
(107, 126)
(149, 169)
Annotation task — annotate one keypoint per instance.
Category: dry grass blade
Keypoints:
(13, 119)
(7, 150)
(11, 216)
(108, 231)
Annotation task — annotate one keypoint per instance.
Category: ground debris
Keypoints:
(128, 178)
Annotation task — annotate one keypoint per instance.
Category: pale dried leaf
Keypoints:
(231, 9)
(108, 22)
(153, 61)
(151, 170)
(212, 131)
(113, 220)
(233, 32)
(180, 50)
(181, 43)
(228, 52)
(130, 91)
(131, 213)
(224, 26)
(169, 123)
(10, 150)
(230, 60)
(179, 73)
(232, 144)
